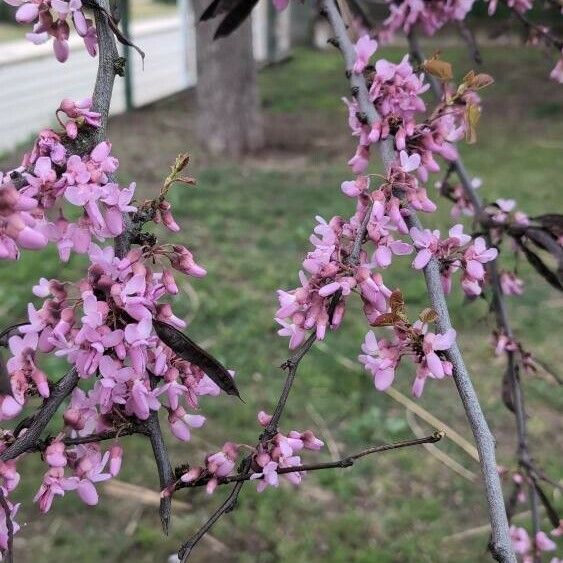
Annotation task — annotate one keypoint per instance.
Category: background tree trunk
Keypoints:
(229, 119)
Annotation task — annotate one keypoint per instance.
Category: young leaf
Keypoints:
(187, 349)
(472, 115)
(397, 302)
(428, 315)
(386, 319)
(477, 81)
(440, 69)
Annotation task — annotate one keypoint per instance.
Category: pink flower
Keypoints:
(426, 242)
(365, 48)
(55, 454)
(433, 343)
(51, 486)
(557, 72)
(381, 366)
(180, 423)
(543, 543)
(520, 540)
(280, 5)
(477, 255)
(409, 163)
(264, 419)
(115, 459)
(268, 476)
(510, 284)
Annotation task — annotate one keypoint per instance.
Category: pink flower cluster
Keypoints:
(455, 252)
(268, 458)
(49, 178)
(103, 323)
(280, 452)
(502, 343)
(428, 16)
(330, 272)
(462, 205)
(87, 466)
(20, 221)
(396, 94)
(339, 263)
(78, 112)
(530, 548)
(431, 16)
(50, 19)
(382, 357)
(216, 467)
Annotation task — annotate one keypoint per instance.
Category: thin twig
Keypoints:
(28, 440)
(163, 465)
(341, 463)
(469, 37)
(501, 546)
(245, 474)
(291, 365)
(541, 30)
(227, 506)
(354, 257)
(8, 553)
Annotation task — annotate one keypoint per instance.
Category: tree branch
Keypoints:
(541, 30)
(8, 553)
(342, 463)
(292, 365)
(28, 440)
(163, 465)
(228, 505)
(245, 474)
(500, 309)
(501, 546)
(110, 64)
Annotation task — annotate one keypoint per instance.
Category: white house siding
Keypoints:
(32, 82)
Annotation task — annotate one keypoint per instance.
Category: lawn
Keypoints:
(248, 223)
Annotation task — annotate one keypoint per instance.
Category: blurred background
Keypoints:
(261, 115)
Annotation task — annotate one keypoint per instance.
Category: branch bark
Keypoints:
(501, 547)
(8, 553)
(499, 307)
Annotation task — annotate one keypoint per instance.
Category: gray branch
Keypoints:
(501, 546)
(499, 307)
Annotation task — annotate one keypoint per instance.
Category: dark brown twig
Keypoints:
(8, 553)
(540, 30)
(342, 463)
(469, 37)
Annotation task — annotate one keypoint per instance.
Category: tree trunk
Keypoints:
(229, 120)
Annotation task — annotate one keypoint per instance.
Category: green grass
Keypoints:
(248, 223)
